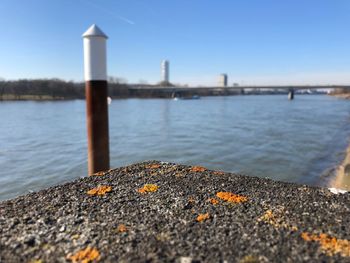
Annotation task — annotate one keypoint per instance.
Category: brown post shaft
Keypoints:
(97, 125)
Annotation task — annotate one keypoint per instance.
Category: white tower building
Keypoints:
(164, 68)
(223, 80)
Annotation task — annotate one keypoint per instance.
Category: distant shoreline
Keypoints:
(156, 93)
(10, 97)
(56, 89)
(342, 95)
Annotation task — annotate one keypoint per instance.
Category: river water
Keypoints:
(44, 143)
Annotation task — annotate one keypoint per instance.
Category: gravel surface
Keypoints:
(176, 217)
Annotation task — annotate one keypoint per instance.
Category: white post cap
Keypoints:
(95, 57)
(94, 31)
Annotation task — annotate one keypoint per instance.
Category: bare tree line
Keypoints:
(54, 89)
(57, 89)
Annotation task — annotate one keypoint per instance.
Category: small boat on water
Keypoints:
(194, 97)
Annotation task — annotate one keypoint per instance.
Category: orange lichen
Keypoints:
(329, 245)
(99, 173)
(86, 255)
(101, 190)
(122, 228)
(198, 169)
(148, 188)
(250, 259)
(231, 197)
(213, 201)
(218, 173)
(203, 217)
(277, 219)
(153, 166)
(179, 175)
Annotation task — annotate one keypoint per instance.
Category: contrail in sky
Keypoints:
(124, 19)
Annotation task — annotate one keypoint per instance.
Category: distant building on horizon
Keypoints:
(164, 69)
(223, 80)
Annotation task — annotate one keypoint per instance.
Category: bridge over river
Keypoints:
(187, 92)
(292, 89)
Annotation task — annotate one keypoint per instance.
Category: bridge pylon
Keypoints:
(291, 94)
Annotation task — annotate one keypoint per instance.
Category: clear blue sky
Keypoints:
(259, 42)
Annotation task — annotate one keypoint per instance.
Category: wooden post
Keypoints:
(96, 90)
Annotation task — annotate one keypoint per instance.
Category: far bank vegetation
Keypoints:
(52, 89)
(56, 89)
(341, 93)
